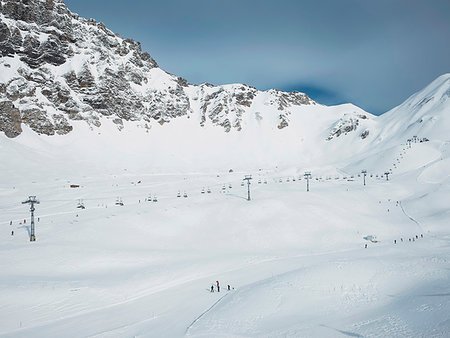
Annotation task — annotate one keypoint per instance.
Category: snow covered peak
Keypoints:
(424, 114)
(57, 68)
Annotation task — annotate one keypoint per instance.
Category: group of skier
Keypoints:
(218, 287)
(412, 239)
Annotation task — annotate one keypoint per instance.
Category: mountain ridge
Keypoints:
(58, 67)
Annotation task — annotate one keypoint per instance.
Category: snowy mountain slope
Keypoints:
(57, 69)
(295, 259)
(424, 113)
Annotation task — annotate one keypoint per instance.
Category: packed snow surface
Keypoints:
(296, 261)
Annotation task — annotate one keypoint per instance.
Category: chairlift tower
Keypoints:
(248, 178)
(32, 201)
(364, 172)
(307, 176)
(387, 173)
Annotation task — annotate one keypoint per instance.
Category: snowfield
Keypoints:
(296, 261)
(143, 207)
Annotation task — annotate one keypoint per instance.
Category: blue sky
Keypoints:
(374, 54)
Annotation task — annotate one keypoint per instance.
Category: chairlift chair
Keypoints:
(80, 204)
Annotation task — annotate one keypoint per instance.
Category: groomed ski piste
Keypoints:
(296, 261)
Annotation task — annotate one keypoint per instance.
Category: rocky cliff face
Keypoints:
(57, 67)
(346, 124)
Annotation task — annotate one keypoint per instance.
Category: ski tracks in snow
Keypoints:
(204, 313)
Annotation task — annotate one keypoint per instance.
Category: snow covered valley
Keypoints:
(296, 261)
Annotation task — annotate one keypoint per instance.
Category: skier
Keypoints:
(212, 288)
(421, 235)
(12, 233)
(395, 241)
(229, 287)
(24, 221)
(10, 223)
(218, 286)
(365, 246)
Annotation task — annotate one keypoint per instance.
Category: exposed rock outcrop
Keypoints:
(60, 67)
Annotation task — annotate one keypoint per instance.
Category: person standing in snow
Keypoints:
(12, 233)
(229, 287)
(212, 288)
(218, 286)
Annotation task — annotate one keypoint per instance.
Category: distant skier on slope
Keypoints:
(212, 288)
(218, 286)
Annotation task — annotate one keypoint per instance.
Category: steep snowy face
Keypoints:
(56, 67)
(424, 114)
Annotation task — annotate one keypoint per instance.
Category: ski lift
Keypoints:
(265, 181)
(185, 194)
(203, 190)
(208, 191)
(155, 199)
(179, 194)
(287, 179)
(229, 186)
(293, 179)
(242, 184)
(259, 181)
(223, 187)
(119, 201)
(280, 180)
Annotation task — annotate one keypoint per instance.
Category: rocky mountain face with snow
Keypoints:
(57, 67)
